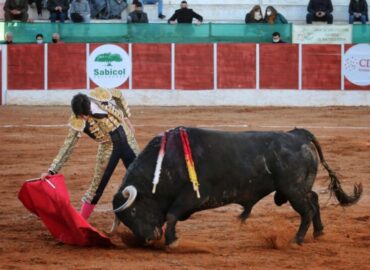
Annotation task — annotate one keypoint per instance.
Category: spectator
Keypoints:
(16, 10)
(358, 11)
(273, 17)
(80, 11)
(56, 38)
(38, 6)
(255, 15)
(153, 2)
(58, 10)
(185, 15)
(319, 10)
(8, 38)
(137, 16)
(39, 39)
(276, 38)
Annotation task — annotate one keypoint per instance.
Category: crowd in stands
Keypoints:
(80, 11)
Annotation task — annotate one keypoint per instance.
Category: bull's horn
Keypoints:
(129, 192)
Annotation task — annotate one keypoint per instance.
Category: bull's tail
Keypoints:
(335, 186)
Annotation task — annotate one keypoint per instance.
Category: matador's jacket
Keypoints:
(106, 125)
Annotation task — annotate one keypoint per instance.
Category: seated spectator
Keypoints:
(276, 38)
(153, 2)
(58, 10)
(137, 16)
(39, 39)
(16, 10)
(38, 6)
(56, 38)
(358, 11)
(273, 17)
(185, 15)
(255, 15)
(107, 9)
(8, 38)
(319, 10)
(80, 11)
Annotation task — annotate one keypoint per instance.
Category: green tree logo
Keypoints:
(108, 58)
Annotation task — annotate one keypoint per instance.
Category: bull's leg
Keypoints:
(302, 204)
(317, 224)
(170, 234)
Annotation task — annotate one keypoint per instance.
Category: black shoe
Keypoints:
(161, 16)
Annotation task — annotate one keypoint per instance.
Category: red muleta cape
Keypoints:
(49, 200)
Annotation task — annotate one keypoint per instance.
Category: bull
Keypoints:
(232, 167)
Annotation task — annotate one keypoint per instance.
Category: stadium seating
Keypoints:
(230, 11)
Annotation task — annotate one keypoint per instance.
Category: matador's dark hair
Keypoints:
(81, 105)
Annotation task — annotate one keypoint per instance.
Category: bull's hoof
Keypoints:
(318, 234)
(173, 245)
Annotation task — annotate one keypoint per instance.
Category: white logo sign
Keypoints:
(109, 66)
(356, 64)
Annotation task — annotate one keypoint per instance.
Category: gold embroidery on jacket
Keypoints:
(100, 94)
(66, 150)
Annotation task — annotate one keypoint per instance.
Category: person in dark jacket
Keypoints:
(319, 10)
(358, 11)
(16, 10)
(58, 10)
(185, 15)
(255, 15)
(137, 16)
(273, 17)
(276, 38)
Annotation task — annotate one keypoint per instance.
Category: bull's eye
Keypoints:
(133, 211)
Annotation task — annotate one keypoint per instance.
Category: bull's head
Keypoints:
(142, 215)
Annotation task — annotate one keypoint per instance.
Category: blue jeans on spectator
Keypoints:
(312, 17)
(352, 18)
(56, 15)
(151, 2)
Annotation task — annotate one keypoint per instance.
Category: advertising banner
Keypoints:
(322, 34)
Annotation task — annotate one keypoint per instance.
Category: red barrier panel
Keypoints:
(236, 66)
(67, 66)
(26, 66)
(321, 67)
(1, 78)
(124, 46)
(151, 66)
(194, 66)
(279, 66)
(347, 84)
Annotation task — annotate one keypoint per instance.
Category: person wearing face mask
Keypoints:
(358, 11)
(320, 10)
(137, 16)
(39, 39)
(255, 15)
(56, 38)
(185, 15)
(273, 17)
(276, 38)
(8, 38)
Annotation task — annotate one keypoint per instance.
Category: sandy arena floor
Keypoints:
(212, 239)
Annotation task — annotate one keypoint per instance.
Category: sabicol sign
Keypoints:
(109, 66)
(356, 64)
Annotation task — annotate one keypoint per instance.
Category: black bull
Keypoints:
(232, 167)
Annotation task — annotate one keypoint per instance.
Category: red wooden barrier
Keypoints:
(26, 66)
(123, 46)
(279, 66)
(151, 66)
(321, 67)
(194, 66)
(67, 66)
(236, 66)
